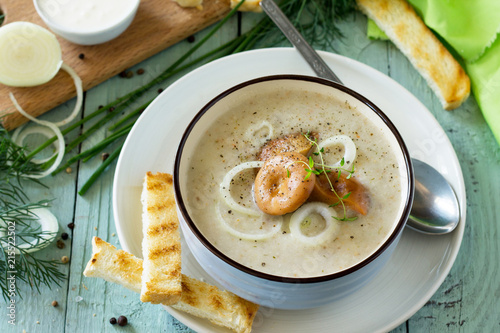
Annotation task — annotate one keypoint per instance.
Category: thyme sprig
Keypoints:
(320, 168)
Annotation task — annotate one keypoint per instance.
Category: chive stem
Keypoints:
(100, 170)
(91, 152)
(104, 143)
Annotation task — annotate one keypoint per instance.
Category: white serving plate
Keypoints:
(420, 262)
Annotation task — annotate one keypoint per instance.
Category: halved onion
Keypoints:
(305, 211)
(349, 150)
(49, 228)
(226, 184)
(29, 55)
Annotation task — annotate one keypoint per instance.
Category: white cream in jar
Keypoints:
(86, 15)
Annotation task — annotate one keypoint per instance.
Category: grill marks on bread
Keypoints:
(408, 32)
(198, 298)
(161, 278)
(162, 250)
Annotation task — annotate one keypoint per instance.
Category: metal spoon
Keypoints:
(435, 207)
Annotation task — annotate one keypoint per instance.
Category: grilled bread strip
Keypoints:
(161, 245)
(408, 32)
(198, 298)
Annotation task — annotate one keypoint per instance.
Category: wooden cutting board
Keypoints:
(157, 25)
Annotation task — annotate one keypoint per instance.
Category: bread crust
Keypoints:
(161, 245)
(198, 298)
(408, 32)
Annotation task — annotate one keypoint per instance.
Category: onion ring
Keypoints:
(54, 128)
(226, 184)
(328, 213)
(349, 150)
(249, 236)
(22, 132)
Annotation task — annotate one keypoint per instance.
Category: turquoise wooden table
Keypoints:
(467, 301)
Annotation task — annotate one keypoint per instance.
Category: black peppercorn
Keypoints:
(191, 39)
(122, 320)
(112, 320)
(64, 236)
(81, 56)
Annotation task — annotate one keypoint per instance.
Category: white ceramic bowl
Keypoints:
(81, 36)
(271, 290)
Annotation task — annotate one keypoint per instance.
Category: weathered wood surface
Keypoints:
(467, 301)
(157, 25)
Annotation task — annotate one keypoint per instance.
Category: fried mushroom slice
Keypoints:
(358, 200)
(296, 142)
(282, 185)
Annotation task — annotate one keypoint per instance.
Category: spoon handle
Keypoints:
(313, 59)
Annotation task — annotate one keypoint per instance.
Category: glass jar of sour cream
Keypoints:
(87, 22)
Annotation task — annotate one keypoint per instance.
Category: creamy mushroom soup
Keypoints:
(316, 239)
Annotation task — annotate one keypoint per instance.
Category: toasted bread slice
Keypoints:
(161, 245)
(198, 298)
(408, 32)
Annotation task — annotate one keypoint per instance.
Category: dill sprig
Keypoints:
(316, 20)
(16, 210)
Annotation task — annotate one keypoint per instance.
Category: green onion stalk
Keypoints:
(315, 19)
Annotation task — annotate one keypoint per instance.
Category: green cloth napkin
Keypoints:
(471, 27)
